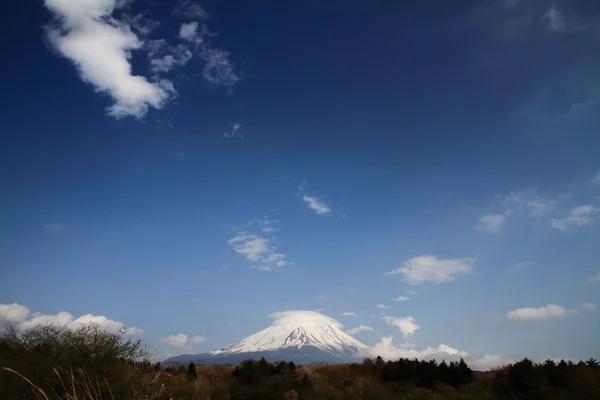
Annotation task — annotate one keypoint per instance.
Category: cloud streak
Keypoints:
(578, 217)
(418, 270)
(544, 313)
(358, 329)
(317, 204)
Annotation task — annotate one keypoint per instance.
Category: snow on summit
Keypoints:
(296, 329)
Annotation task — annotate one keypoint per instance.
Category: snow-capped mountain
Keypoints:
(299, 336)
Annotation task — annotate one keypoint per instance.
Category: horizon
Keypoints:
(426, 178)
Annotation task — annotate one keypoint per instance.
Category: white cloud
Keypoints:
(100, 46)
(383, 307)
(198, 339)
(190, 9)
(296, 317)
(180, 57)
(316, 204)
(588, 306)
(348, 314)
(597, 178)
(219, 69)
(520, 266)
(13, 313)
(594, 279)
(264, 268)
(488, 362)
(179, 340)
(388, 351)
(491, 222)
(360, 328)
(193, 32)
(540, 207)
(551, 311)
(23, 318)
(133, 331)
(54, 227)
(182, 340)
(556, 20)
(577, 217)
(401, 298)
(257, 249)
(406, 325)
(234, 131)
(430, 268)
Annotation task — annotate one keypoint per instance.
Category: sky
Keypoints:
(425, 173)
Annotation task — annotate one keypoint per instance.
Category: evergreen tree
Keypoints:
(442, 372)
(379, 363)
(191, 371)
(592, 363)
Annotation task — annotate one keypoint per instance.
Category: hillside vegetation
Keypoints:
(47, 362)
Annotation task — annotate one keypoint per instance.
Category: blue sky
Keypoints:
(190, 168)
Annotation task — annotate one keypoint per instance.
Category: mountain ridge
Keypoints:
(299, 336)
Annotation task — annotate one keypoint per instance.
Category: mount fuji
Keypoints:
(300, 336)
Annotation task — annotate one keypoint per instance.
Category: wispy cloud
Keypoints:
(556, 20)
(596, 179)
(431, 268)
(491, 222)
(406, 325)
(360, 328)
(520, 266)
(588, 306)
(401, 298)
(519, 202)
(189, 32)
(190, 9)
(348, 314)
(178, 340)
(264, 268)
(100, 46)
(594, 279)
(219, 69)
(163, 63)
(383, 307)
(541, 207)
(316, 204)
(257, 248)
(197, 339)
(233, 132)
(577, 217)
(54, 227)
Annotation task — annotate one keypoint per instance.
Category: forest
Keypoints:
(48, 362)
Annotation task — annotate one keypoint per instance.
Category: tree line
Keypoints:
(52, 363)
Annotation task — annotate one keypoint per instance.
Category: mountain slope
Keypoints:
(299, 336)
